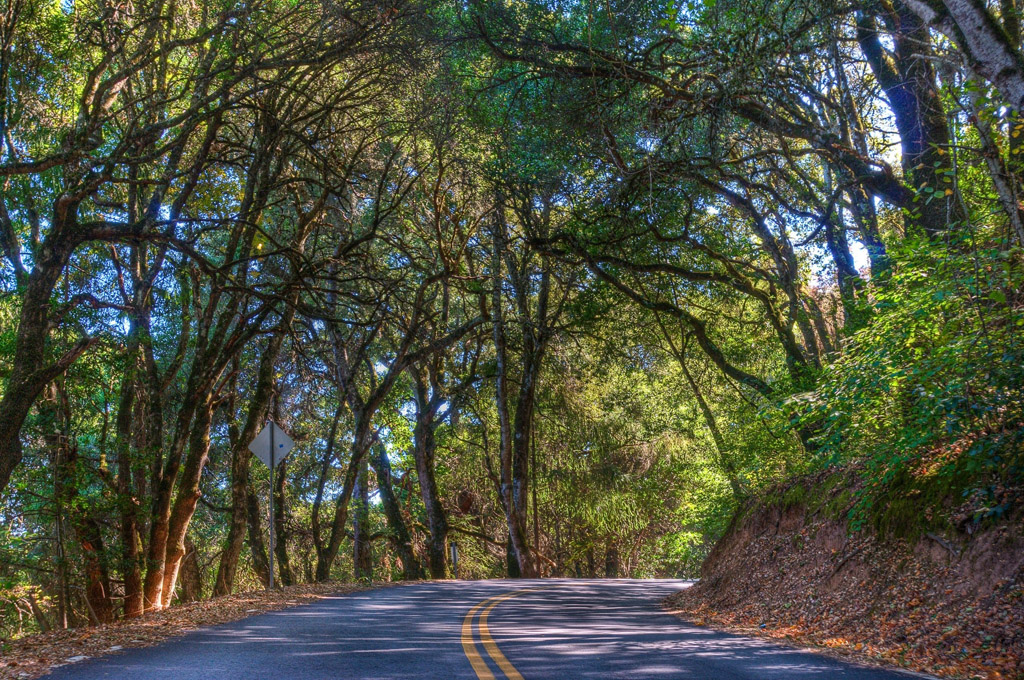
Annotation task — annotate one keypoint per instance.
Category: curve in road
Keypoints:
(474, 630)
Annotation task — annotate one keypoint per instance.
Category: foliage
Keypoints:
(591, 279)
(932, 388)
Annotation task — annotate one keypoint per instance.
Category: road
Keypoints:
(473, 630)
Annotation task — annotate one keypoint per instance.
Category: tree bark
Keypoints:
(908, 78)
(228, 565)
(515, 519)
(611, 561)
(1005, 180)
(191, 576)
(514, 437)
(400, 539)
(87, 531)
(424, 452)
(325, 466)
(989, 51)
(30, 371)
(241, 455)
(97, 590)
(362, 555)
(257, 548)
(131, 566)
(160, 516)
(284, 566)
(187, 498)
(328, 552)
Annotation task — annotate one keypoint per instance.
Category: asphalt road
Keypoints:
(473, 630)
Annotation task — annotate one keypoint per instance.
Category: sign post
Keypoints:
(271, 446)
(455, 559)
(270, 509)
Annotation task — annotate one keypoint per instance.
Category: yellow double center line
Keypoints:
(476, 660)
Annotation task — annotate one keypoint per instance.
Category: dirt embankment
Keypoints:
(947, 602)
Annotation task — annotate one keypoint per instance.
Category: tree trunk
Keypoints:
(611, 561)
(988, 49)
(326, 554)
(86, 528)
(523, 424)
(160, 519)
(847, 277)
(862, 206)
(1006, 175)
(241, 455)
(97, 590)
(512, 560)
(362, 556)
(424, 451)
(817, 316)
(38, 614)
(228, 566)
(131, 566)
(284, 567)
(188, 497)
(512, 443)
(30, 373)
(191, 576)
(325, 466)
(258, 549)
(411, 569)
(908, 78)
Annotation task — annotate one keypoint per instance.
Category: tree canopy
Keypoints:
(560, 282)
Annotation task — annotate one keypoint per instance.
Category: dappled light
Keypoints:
(566, 629)
(296, 293)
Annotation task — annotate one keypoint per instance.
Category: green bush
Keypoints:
(933, 387)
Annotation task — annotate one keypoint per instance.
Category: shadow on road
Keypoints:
(568, 629)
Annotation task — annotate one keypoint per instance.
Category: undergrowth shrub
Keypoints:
(932, 389)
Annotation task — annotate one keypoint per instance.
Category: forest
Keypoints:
(561, 283)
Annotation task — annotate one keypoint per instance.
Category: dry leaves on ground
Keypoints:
(925, 605)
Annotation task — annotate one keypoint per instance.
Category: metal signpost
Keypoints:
(455, 559)
(271, 446)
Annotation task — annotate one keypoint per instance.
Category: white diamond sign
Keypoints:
(261, 446)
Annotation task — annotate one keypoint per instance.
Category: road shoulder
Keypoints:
(790, 637)
(35, 655)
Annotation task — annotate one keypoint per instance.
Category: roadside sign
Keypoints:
(271, 435)
(271, 446)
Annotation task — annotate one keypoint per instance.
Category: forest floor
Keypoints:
(792, 571)
(34, 655)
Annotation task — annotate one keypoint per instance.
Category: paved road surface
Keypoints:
(473, 630)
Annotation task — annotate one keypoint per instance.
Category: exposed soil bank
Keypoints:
(949, 603)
